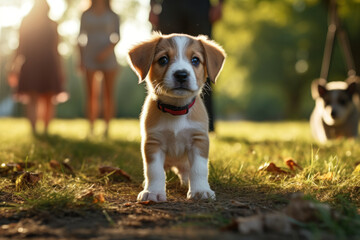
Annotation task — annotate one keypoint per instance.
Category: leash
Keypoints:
(334, 28)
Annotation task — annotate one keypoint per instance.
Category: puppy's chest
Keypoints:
(175, 137)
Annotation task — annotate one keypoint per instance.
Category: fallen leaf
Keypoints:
(252, 224)
(91, 197)
(271, 168)
(114, 172)
(277, 222)
(149, 202)
(236, 203)
(27, 179)
(128, 204)
(304, 210)
(55, 165)
(63, 167)
(292, 164)
(99, 198)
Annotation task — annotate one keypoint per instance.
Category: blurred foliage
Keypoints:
(274, 50)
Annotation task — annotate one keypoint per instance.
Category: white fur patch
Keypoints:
(198, 178)
(181, 63)
(154, 173)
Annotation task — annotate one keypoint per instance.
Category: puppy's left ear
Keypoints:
(214, 56)
(141, 57)
(352, 87)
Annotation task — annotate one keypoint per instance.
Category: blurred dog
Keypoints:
(335, 114)
(174, 122)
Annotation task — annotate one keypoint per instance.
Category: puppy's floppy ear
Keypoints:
(141, 57)
(214, 56)
(318, 88)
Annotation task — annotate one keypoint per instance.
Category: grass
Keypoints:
(237, 151)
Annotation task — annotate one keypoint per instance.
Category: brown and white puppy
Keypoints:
(174, 121)
(335, 114)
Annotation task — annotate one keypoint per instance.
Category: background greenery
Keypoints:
(274, 48)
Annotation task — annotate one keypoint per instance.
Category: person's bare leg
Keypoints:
(109, 104)
(92, 107)
(48, 112)
(31, 112)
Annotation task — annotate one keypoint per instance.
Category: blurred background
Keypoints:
(274, 48)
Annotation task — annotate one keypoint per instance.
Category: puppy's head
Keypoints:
(335, 100)
(177, 65)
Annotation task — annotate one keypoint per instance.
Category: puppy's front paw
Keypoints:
(147, 195)
(201, 194)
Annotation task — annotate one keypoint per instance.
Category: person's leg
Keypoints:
(197, 22)
(31, 111)
(92, 107)
(109, 104)
(48, 111)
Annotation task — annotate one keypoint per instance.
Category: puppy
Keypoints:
(174, 121)
(335, 114)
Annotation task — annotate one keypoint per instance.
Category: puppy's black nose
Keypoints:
(333, 114)
(181, 76)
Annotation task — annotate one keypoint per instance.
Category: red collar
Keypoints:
(174, 110)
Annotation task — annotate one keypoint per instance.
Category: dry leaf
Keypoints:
(277, 222)
(91, 197)
(62, 167)
(252, 224)
(149, 202)
(282, 221)
(271, 168)
(128, 204)
(239, 204)
(115, 172)
(27, 179)
(99, 198)
(55, 165)
(304, 210)
(292, 164)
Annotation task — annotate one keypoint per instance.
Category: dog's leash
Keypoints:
(334, 28)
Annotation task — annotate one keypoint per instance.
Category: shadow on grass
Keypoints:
(88, 154)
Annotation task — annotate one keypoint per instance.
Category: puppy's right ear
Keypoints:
(141, 57)
(318, 88)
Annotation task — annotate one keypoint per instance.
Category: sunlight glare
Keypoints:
(12, 16)
(57, 9)
(69, 28)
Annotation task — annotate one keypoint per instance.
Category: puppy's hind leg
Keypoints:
(182, 171)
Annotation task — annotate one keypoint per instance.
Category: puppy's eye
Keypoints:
(163, 61)
(195, 61)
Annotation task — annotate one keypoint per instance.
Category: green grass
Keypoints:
(237, 151)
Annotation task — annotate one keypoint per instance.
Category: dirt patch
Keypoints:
(126, 219)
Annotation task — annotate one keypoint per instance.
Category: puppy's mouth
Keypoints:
(180, 89)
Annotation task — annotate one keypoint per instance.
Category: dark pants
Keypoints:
(189, 17)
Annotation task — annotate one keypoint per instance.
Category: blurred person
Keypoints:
(36, 73)
(193, 17)
(99, 34)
